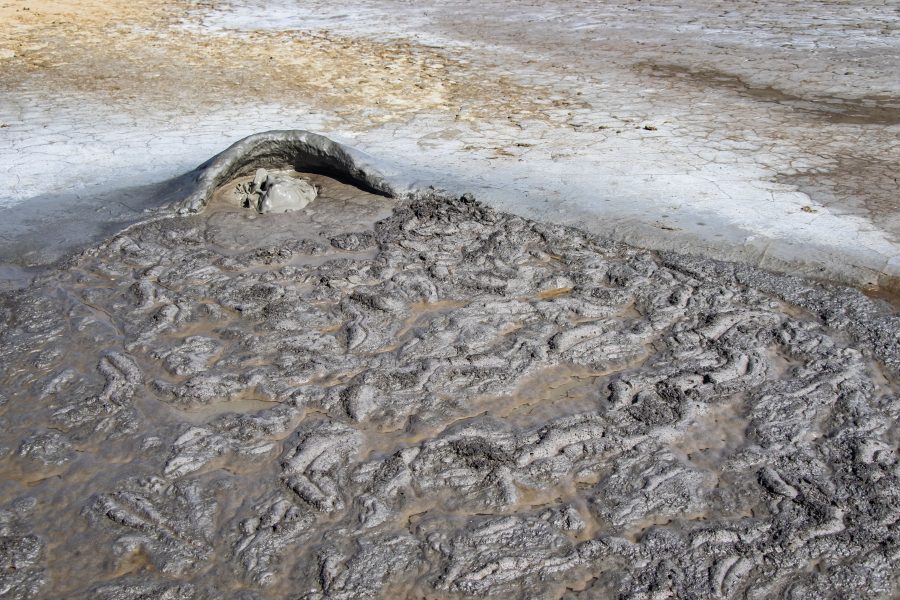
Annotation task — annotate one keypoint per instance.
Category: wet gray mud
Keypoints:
(426, 398)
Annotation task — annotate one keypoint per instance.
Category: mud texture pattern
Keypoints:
(427, 398)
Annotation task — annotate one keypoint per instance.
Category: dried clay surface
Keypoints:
(432, 399)
(766, 132)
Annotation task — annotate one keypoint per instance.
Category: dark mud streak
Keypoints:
(875, 110)
(856, 185)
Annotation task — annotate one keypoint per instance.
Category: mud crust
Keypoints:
(398, 396)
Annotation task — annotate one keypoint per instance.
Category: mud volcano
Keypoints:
(389, 395)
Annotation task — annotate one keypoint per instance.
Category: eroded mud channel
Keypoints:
(375, 398)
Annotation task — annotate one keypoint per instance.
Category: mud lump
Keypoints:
(276, 193)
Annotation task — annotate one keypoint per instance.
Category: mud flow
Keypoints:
(431, 399)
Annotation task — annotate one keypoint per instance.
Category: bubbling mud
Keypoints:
(426, 398)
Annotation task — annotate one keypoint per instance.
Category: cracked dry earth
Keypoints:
(765, 131)
(430, 399)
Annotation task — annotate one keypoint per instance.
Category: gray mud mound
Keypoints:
(272, 192)
(430, 399)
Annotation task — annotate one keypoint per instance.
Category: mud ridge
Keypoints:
(284, 149)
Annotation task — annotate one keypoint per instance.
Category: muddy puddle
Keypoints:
(376, 398)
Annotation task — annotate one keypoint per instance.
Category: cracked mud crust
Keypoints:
(429, 398)
(764, 132)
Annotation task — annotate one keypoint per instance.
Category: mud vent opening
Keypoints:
(311, 165)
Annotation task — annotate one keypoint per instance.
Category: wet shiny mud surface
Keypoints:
(374, 398)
